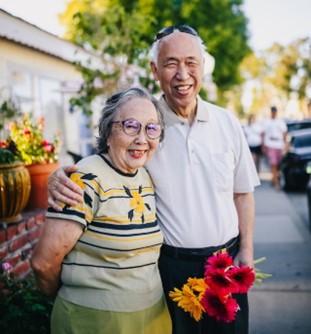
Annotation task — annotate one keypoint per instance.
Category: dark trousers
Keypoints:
(174, 273)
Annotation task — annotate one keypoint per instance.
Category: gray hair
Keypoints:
(111, 108)
(155, 47)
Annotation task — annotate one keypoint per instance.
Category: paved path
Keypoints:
(282, 304)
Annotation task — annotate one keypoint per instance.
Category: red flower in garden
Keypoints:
(33, 148)
(48, 147)
(3, 144)
(223, 308)
(243, 276)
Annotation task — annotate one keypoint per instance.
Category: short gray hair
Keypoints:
(111, 108)
(155, 47)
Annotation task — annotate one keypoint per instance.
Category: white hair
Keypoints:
(154, 50)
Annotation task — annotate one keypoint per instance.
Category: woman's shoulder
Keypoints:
(143, 174)
(90, 163)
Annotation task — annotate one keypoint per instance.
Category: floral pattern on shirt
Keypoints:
(137, 203)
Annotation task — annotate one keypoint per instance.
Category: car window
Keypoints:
(298, 126)
(302, 141)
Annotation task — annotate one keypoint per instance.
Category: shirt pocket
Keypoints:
(223, 171)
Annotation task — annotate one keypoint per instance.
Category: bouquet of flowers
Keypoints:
(213, 294)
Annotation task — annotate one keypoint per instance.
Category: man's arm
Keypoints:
(245, 205)
(57, 239)
(61, 188)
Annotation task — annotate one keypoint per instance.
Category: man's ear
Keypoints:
(154, 70)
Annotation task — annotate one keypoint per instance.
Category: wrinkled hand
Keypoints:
(61, 188)
(244, 258)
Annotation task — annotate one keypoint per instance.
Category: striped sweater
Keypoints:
(113, 266)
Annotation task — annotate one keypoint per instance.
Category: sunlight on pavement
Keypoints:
(265, 176)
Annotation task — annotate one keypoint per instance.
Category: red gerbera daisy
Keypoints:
(244, 278)
(220, 281)
(220, 307)
(218, 261)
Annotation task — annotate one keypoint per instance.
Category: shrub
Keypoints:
(23, 307)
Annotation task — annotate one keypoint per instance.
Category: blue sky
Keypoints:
(269, 20)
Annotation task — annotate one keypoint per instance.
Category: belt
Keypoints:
(198, 254)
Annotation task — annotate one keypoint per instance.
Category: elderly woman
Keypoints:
(99, 258)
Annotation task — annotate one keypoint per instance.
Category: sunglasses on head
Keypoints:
(169, 30)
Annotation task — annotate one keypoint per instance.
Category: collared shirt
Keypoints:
(196, 171)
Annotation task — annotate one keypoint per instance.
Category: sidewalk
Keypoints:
(282, 303)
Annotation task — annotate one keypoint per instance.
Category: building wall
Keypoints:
(17, 241)
(43, 85)
(36, 61)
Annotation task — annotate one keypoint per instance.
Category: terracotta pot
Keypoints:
(14, 191)
(39, 174)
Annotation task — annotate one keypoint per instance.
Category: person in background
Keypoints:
(253, 132)
(274, 135)
(204, 178)
(100, 257)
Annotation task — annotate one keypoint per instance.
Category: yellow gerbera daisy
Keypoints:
(188, 300)
(198, 285)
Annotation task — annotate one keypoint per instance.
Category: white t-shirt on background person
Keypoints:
(274, 130)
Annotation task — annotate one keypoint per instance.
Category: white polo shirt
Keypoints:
(196, 170)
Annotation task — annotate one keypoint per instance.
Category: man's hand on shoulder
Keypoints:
(62, 189)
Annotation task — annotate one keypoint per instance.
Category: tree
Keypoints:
(293, 66)
(113, 33)
(280, 72)
(121, 31)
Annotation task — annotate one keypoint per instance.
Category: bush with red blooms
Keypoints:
(32, 147)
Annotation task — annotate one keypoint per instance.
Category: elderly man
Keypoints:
(204, 178)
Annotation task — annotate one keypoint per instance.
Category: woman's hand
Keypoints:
(61, 188)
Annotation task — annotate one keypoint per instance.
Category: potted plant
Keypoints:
(14, 185)
(39, 155)
(14, 177)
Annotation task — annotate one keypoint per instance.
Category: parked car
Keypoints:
(308, 170)
(293, 125)
(297, 155)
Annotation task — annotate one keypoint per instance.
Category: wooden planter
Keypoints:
(14, 191)
(39, 174)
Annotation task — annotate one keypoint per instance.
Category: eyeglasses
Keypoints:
(132, 128)
(169, 30)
